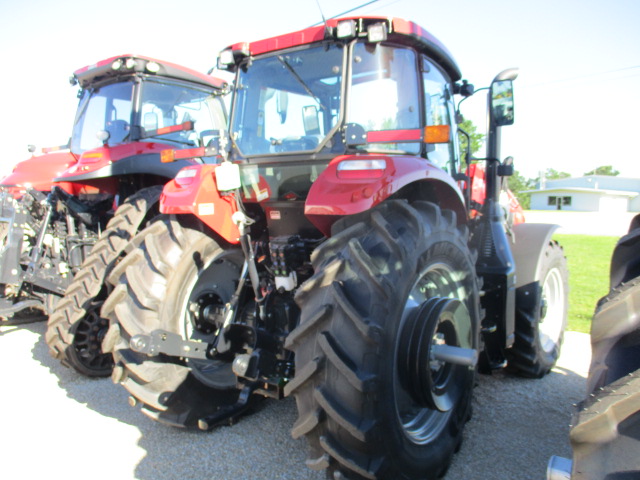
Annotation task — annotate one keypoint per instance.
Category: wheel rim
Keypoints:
(552, 310)
(209, 289)
(425, 392)
(87, 340)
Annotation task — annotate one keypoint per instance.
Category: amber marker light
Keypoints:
(167, 156)
(437, 134)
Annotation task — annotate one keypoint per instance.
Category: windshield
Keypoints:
(168, 104)
(107, 108)
(288, 102)
(110, 109)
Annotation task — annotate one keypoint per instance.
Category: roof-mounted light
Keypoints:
(377, 33)
(226, 58)
(117, 64)
(346, 29)
(130, 63)
(153, 67)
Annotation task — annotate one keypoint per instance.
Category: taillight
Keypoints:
(185, 177)
(361, 169)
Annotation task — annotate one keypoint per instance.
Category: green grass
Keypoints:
(588, 260)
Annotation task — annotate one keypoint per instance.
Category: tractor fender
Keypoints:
(625, 260)
(147, 163)
(193, 191)
(337, 193)
(529, 244)
(38, 172)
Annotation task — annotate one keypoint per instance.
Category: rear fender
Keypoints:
(625, 261)
(194, 192)
(528, 247)
(335, 194)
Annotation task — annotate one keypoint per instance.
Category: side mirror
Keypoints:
(502, 102)
(103, 136)
(150, 121)
(311, 120)
(282, 103)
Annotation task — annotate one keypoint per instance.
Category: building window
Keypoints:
(559, 201)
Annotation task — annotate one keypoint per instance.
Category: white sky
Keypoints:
(577, 96)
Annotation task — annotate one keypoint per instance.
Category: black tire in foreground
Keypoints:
(541, 317)
(170, 281)
(75, 329)
(606, 432)
(392, 287)
(615, 335)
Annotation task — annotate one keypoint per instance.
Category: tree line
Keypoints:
(518, 184)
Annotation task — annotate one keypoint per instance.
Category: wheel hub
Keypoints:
(88, 337)
(207, 313)
(433, 359)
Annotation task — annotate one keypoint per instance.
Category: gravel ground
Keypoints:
(58, 424)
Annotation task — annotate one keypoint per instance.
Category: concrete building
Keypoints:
(593, 193)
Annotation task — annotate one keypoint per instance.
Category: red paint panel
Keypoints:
(331, 197)
(202, 199)
(392, 136)
(38, 172)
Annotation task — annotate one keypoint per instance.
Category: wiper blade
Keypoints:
(301, 81)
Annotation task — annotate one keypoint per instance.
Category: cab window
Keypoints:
(384, 93)
(438, 111)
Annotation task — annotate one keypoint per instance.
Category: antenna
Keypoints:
(343, 13)
(324, 20)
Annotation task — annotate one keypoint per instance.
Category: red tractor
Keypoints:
(98, 195)
(333, 256)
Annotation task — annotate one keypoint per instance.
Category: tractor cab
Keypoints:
(369, 99)
(127, 104)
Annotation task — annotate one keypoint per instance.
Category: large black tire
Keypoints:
(75, 329)
(367, 393)
(615, 336)
(166, 283)
(606, 434)
(541, 317)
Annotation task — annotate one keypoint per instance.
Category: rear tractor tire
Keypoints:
(170, 281)
(75, 329)
(377, 396)
(615, 335)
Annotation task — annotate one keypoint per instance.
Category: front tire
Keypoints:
(541, 317)
(389, 286)
(167, 283)
(75, 329)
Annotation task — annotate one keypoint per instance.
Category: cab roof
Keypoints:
(130, 63)
(400, 31)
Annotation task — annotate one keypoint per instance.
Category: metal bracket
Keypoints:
(168, 343)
